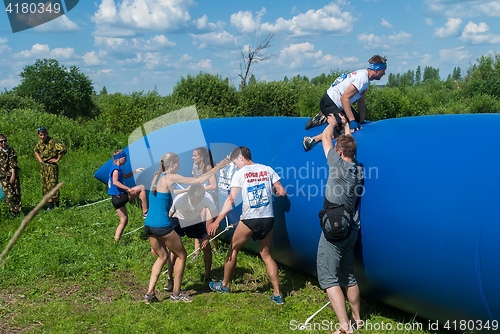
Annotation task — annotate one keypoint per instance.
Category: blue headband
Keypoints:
(120, 155)
(376, 66)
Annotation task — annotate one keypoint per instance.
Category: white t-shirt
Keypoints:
(256, 183)
(358, 78)
(189, 214)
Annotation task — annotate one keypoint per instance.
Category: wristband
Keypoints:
(353, 125)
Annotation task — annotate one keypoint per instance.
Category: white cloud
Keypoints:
(94, 59)
(451, 28)
(10, 82)
(215, 40)
(329, 19)
(426, 59)
(386, 24)
(128, 15)
(60, 25)
(159, 42)
(299, 55)
(465, 8)
(478, 34)
(454, 55)
(245, 22)
(3, 45)
(203, 24)
(43, 51)
(370, 41)
(131, 62)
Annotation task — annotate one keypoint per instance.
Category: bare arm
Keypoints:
(176, 178)
(280, 190)
(118, 183)
(38, 157)
(327, 134)
(129, 174)
(228, 205)
(346, 102)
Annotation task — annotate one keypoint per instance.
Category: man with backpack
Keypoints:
(340, 224)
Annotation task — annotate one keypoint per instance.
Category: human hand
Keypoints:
(212, 228)
(343, 119)
(153, 252)
(12, 178)
(139, 170)
(222, 164)
(205, 243)
(354, 126)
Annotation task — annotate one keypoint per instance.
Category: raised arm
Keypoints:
(327, 134)
(345, 99)
(228, 205)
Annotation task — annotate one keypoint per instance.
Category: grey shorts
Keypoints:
(335, 262)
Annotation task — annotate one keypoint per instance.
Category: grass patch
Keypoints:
(66, 275)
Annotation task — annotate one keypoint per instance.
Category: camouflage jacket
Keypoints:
(8, 161)
(49, 150)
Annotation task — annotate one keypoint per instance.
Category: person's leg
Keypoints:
(337, 299)
(158, 247)
(240, 236)
(272, 268)
(207, 255)
(354, 299)
(140, 191)
(170, 264)
(174, 243)
(123, 215)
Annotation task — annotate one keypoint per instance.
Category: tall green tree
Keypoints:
(63, 91)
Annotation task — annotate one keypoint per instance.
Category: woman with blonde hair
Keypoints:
(158, 226)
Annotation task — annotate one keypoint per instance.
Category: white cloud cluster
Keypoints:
(329, 19)
(298, 55)
(60, 25)
(127, 16)
(478, 34)
(245, 22)
(215, 40)
(464, 8)
(370, 41)
(158, 42)
(94, 59)
(3, 45)
(451, 28)
(43, 51)
(455, 55)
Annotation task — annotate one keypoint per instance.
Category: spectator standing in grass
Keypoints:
(9, 176)
(49, 152)
(122, 194)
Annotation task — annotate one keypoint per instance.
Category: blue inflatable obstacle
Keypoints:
(429, 212)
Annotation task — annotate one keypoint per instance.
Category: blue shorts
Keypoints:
(158, 231)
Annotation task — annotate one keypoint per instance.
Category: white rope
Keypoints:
(226, 229)
(303, 326)
(82, 206)
(133, 230)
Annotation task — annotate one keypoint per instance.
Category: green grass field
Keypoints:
(66, 275)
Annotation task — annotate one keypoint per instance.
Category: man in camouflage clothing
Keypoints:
(9, 176)
(49, 152)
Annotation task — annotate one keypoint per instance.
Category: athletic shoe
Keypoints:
(278, 299)
(317, 120)
(181, 297)
(170, 285)
(148, 299)
(308, 143)
(217, 286)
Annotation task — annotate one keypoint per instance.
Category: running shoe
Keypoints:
(148, 299)
(278, 299)
(308, 143)
(217, 286)
(170, 285)
(316, 120)
(182, 297)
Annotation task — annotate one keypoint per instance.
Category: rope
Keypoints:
(226, 229)
(133, 231)
(303, 326)
(82, 206)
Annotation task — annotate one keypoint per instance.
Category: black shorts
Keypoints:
(196, 231)
(158, 231)
(119, 201)
(259, 226)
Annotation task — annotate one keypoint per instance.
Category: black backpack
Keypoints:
(337, 220)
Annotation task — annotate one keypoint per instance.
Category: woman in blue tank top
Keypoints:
(159, 228)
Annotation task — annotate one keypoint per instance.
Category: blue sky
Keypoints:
(134, 45)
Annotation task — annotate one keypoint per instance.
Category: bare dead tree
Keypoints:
(250, 56)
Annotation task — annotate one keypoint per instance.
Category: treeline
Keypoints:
(49, 87)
